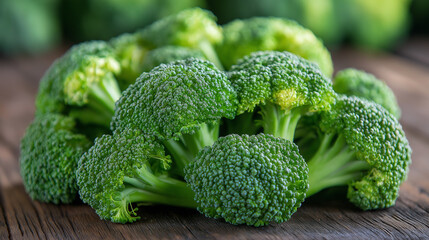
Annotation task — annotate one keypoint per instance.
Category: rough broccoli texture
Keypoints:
(169, 54)
(124, 169)
(50, 151)
(193, 28)
(130, 51)
(242, 37)
(363, 146)
(81, 84)
(352, 82)
(283, 86)
(182, 101)
(251, 180)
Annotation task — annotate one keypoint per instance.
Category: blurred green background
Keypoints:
(35, 26)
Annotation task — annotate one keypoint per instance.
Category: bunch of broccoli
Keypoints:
(246, 145)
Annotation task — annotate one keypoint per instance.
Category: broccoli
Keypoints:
(361, 145)
(251, 180)
(353, 82)
(50, 150)
(180, 103)
(127, 168)
(82, 84)
(130, 52)
(242, 37)
(169, 54)
(193, 28)
(281, 87)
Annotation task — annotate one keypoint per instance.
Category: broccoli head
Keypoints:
(251, 180)
(363, 146)
(82, 84)
(50, 150)
(124, 169)
(183, 100)
(283, 86)
(193, 28)
(352, 82)
(169, 54)
(242, 37)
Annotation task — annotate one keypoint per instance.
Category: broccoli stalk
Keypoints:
(334, 164)
(279, 122)
(187, 147)
(125, 169)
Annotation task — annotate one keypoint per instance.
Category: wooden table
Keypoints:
(406, 71)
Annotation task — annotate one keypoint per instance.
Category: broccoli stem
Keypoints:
(101, 103)
(105, 92)
(187, 147)
(145, 187)
(334, 164)
(242, 124)
(279, 122)
(207, 48)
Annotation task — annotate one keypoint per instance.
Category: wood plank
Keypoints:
(416, 48)
(4, 228)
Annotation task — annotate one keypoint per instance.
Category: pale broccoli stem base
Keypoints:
(207, 48)
(187, 147)
(334, 164)
(279, 122)
(100, 106)
(147, 188)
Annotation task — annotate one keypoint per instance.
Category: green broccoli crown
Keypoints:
(84, 76)
(251, 180)
(376, 137)
(130, 51)
(242, 37)
(169, 54)
(175, 99)
(280, 78)
(50, 151)
(352, 82)
(193, 28)
(187, 28)
(106, 171)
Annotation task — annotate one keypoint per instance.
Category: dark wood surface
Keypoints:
(406, 71)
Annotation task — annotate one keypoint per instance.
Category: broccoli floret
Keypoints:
(130, 51)
(50, 150)
(352, 82)
(251, 180)
(193, 28)
(127, 168)
(169, 54)
(281, 87)
(82, 84)
(363, 146)
(242, 37)
(180, 103)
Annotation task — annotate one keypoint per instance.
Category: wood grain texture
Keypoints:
(318, 218)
